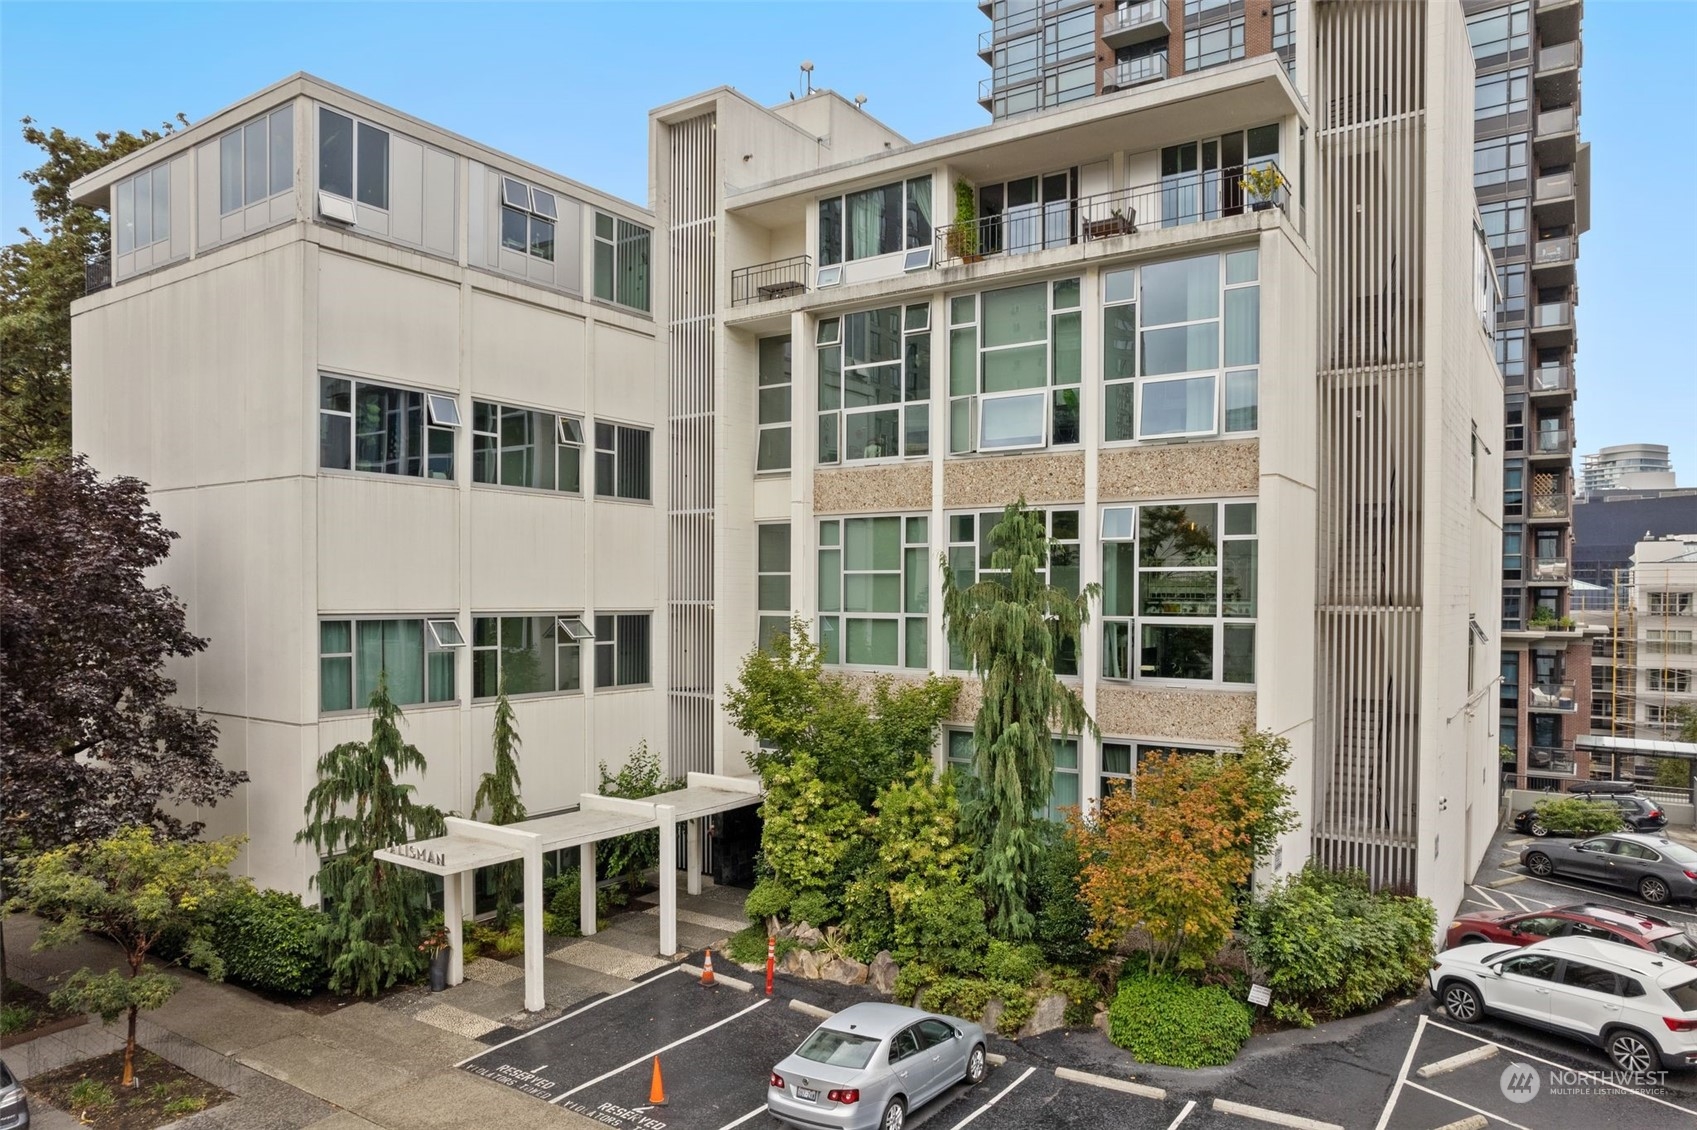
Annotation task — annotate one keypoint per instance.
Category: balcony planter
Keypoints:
(1117, 224)
(1262, 183)
(962, 240)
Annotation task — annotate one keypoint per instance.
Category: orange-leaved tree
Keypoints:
(1166, 857)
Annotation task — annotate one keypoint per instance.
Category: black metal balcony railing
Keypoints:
(1172, 202)
(97, 274)
(765, 281)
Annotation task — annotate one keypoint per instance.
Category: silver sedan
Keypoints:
(870, 1064)
(1656, 867)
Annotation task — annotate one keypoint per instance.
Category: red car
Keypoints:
(1522, 928)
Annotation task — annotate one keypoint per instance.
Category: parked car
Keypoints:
(869, 1065)
(1656, 868)
(1581, 920)
(1639, 1007)
(1599, 788)
(14, 1103)
(1639, 813)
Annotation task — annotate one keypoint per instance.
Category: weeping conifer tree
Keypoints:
(498, 790)
(378, 912)
(1011, 626)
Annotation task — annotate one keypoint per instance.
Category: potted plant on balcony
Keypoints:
(962, 241)
(1119, 222)
(1261, 183)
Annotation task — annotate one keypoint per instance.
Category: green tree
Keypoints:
(626, 857)
(136, 889)
(1012, 626)
(378, 912)
(498, 791)
(1684, 719)
(40, 276)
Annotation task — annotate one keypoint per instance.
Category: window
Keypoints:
(1180, 579)
(621, 261)
(1499, 94)
(1119, 767)
(621, 461)
(774, 446)
(144, 209)
(1505, 225)
(528, 216)
(1183, 360)
(875, 384)
(1675, 680)
(1668, 641)
(874, 591)
(383, 430)
(353, 159)
(1063, 788)
(1511, 356)
(958, 752)
(880, 221)
(1541, 925)
(772, 580)
(1213, 44)
(1511, 285)
(416, 657)
(1535, 966)
(1514, 493)
(256, 161)
(1500, 34)
(1014, 362)
(518, 447)
(1028, 213)
(1500, 160)
(1511, 551)
(1200, 180)
(531, 654)
(1669, 603)
(1284, 36)
(621, 649)
(972, 547)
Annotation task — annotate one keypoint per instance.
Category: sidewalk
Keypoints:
(365, 1065)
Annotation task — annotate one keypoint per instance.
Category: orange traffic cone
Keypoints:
(656, 1089)
(707, 970)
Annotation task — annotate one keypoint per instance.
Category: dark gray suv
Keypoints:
(1639, 813)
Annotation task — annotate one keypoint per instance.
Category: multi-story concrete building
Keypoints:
(1230, 332)
(398, 394)
(1533, 179)
(1664, 603)
(1628, 466)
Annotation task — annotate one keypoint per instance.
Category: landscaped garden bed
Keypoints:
(27, 1014)
(90, 1090)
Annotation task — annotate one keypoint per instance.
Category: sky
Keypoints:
(580, 107)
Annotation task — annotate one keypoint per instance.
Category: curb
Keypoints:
(719, 978)
(1499, 884)
(1277, 1118)
(812, 1010)
(1471, 1122)
(1109, 1083)
(1457, 1062)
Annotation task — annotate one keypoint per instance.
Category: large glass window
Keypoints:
(1181, 348)
(1503, 93)
(256, 161)
(1014, 363)
(622, 461)
(415, 656)
(621, 649)
(1202, 180)
(773, 452)
(772, 562)
(1179, 591)
(879, 221)
(534, 654)
(353, 159)
(1499, 160)
(520, 447)
(143, 214)
(875, 384)
(971, 548)
(528, 217)
(1212, 44)
(874, 590)
(384, 430)
(1501, 33)
(1505, 225)
(621, 261)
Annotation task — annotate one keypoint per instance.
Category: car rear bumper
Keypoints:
(786, 1108)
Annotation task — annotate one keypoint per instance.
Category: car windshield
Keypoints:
(1677, 946)
(839, 1049)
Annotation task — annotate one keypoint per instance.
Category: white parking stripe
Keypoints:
(1467, 1106)
(998, 1097)
(755, 1113)
(1484, 894)
(645, 1057)
(1182, 1115)
(1521, 1053)
(598, 1002)
(1402, 1076)
(1633, 905)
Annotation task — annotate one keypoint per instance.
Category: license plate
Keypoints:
(807, 1094)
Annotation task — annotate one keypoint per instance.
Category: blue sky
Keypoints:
(580, 106)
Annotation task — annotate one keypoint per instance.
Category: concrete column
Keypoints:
(692, 857)
(586, 889)
(453, 916)
(534, 941)
(668, 879)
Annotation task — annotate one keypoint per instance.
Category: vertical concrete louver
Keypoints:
(690, 308)
(1370, 171)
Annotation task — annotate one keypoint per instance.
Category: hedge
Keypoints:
(268, 940)
(1165, 1020)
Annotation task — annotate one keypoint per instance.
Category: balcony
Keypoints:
(1549, 506)
(1550, 380)
(1549, 570)
(1128, 73)
(1173, 202)
(1552, 443)
(1552, 260)
(1552, 323)
(1552, 698)
(1557, 76)
(1558, 20)
(766, 281)
(1136, 23)
(1553, 201)
(97, 274)
(1555, 136)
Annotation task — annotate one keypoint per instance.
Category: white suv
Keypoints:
(1638, 1006)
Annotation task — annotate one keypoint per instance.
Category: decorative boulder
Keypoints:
(807, 935)
(809, 964)
(992, 1014)
(843, 970)
(882, 972)
(1049, 1015)
(791, 961)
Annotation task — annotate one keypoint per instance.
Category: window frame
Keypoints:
(360, 131)
(969, 561)
(911, 236)
(429, 646)
(767, 573)
(616, 466)
(241, 134)
(832, 622)
(1062, 305)
(529, 207)
(612, 631)
(489, 445)
(769, 381)
(431, 434)
(564, 642)
(914, 362)
(622, 241)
